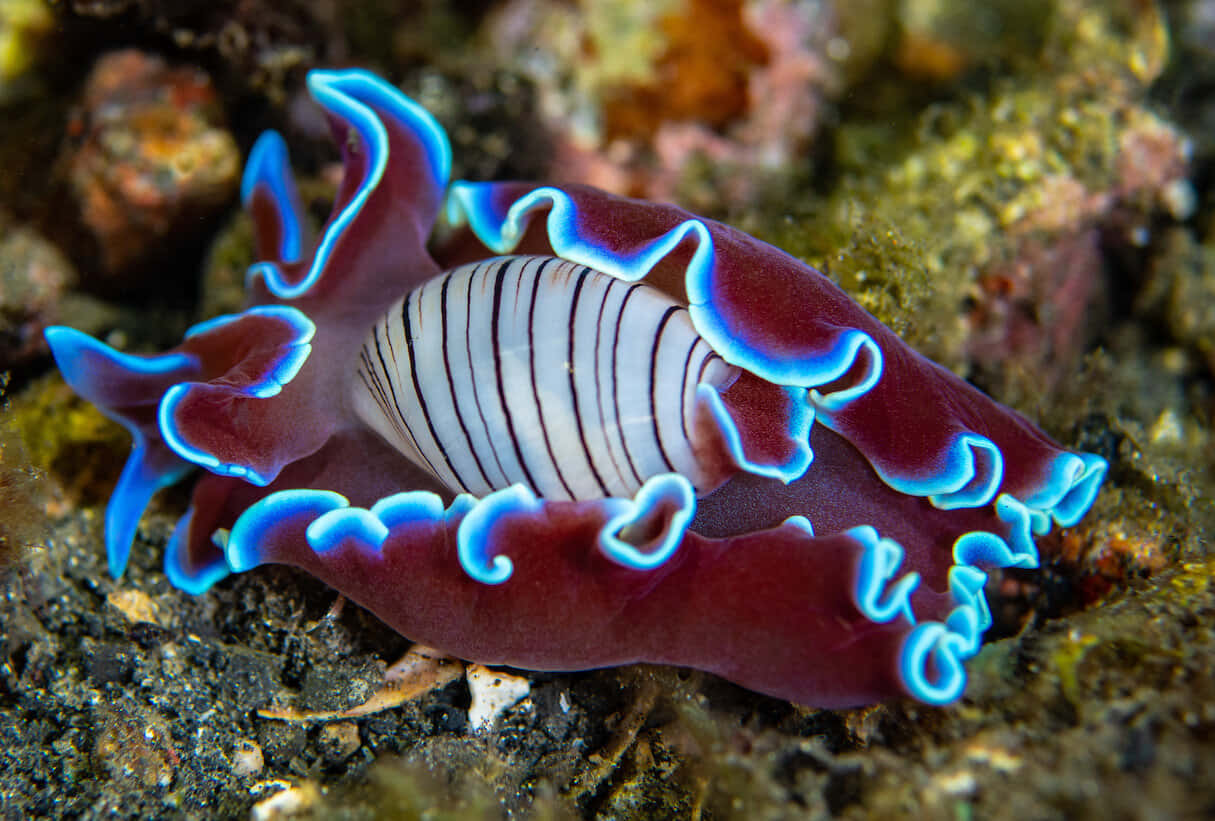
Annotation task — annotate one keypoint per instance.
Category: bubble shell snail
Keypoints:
(581, 431)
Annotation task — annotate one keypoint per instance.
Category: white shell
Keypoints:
(538, 371)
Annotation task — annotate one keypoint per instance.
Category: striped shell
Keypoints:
(539, 371)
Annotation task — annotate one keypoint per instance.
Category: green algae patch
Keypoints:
(69, 438)
(21, 492)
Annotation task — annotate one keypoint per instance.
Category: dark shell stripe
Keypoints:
(444, 297)
(475, 380)
(578, 324)
(538, 371)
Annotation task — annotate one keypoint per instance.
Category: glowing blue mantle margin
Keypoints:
(943, 647)
(798, 435)
(85, 363)
(331, 520)
(285, 369)
(88, 364)
(352, 96)
(268, 166)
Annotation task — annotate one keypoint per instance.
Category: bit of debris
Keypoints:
(419, 671)
(493, 693)
(136, 606)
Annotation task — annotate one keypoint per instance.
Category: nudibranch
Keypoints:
(577, 431)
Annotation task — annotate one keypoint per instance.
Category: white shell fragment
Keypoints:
(493, 693)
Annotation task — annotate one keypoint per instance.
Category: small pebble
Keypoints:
(135, 605)
(247, 759)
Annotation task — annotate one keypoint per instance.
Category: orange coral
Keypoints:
(701, 75)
